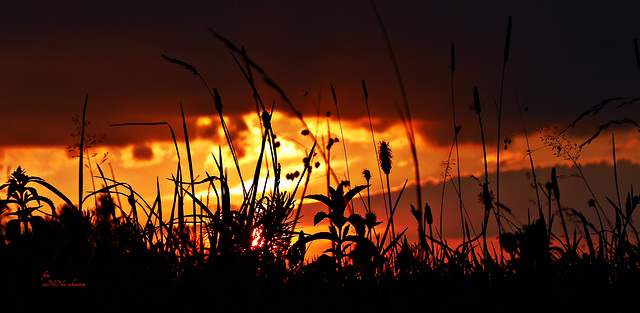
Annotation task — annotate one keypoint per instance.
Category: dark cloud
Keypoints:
(564, 58)
(237, 131)
(207, 131)
(142, 153)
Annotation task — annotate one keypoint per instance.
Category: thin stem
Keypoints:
(80, 165)
(375, 149)
(533, 170)
(404, 100)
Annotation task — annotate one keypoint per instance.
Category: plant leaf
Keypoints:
(322, 198)
(358, 223)
(319, 217)
(351, 193)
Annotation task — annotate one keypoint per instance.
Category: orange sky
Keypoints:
(54, 165)
(564, 59)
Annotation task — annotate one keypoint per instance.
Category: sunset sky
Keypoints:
(564, 58)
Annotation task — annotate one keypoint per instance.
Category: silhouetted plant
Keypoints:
(24, 197)
(339, 223)
(529, 246)
(219, 248)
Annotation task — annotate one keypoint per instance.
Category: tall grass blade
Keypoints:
(375, 149)
(507, 47)
(81, 157)
(190, 163)
(410, 134)
(456, 130)
(344, 147)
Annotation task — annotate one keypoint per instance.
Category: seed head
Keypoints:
(333, 92)
(487, 197)
(507, 42)
(385, 156)
(330, 144)
(366, 94)
(217, 100)
(476, 101)
(266, 120)
(549, 187)
(427, 214)
(367, 175)
(181, 63)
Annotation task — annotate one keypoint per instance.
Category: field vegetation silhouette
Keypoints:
(253, 254)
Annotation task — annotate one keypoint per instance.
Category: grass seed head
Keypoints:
(266, 120)
(335, 98)
(182, 63)
(366, 94)
(476, 101)
(428, 216)
(330, 144)
(507, 42)
(367, 175)
(217, 100)
(549, 187)
(384, 153)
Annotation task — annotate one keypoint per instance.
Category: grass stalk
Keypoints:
(250, 64)
(556, 195)
(456, 131)
(344, 147)
(507, 47)
(485, 186)
(533, 169)
(191, 176)
(615, 169)
(446, 174)
(218, 105)
(405, 101)
(306, 171)
(80, 159)
(113, 176)
(375, 149)
(386, 157)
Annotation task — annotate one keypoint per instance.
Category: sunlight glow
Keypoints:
(258, 241)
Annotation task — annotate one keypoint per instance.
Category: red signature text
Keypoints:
(48, 281)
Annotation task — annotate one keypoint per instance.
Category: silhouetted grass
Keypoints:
(250, 254)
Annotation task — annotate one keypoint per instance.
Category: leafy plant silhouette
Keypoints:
(23, 196)
(359, 248)
(340, 225)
